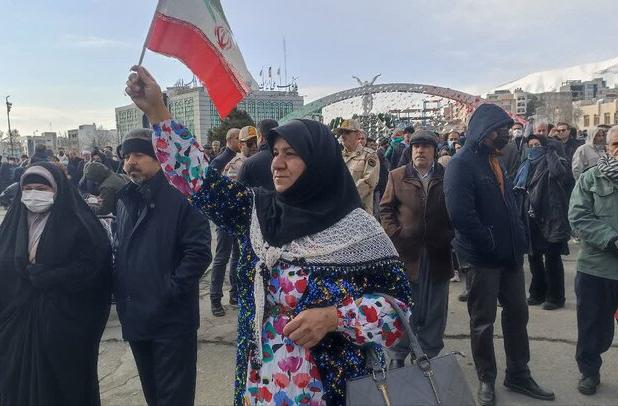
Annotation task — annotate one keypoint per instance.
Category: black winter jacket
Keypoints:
(162, 246)
(545, 200)
(255, 171)
(221, 160)
(488, 229)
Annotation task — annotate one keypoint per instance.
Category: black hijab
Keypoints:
(70, 221)
(324, 194)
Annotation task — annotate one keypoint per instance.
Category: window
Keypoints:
(596, 120)
(606, 118)
(616, 117)
(586, 121)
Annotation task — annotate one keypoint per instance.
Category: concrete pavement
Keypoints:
(552, 343)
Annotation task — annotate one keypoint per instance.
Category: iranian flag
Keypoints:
(197, 33)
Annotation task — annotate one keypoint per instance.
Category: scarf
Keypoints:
(324, 194)
(355, 239)
(497, 170)
(608, 165)
(26, 235)
(521, 179)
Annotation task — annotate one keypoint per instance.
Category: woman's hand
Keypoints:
(146, 94)
(311, 325)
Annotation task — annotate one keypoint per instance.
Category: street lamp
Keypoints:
(8, 119)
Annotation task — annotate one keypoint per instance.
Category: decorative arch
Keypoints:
(316, 106)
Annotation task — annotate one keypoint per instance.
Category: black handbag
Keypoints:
(436, 381)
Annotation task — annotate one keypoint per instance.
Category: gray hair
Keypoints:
(610, 132)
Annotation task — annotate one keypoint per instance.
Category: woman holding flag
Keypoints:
(311, 258)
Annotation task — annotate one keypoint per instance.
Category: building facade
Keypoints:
(585, 90)
(555, 107)
(192, 106)
(48, 138)
(89, 136)
(515, 102)
(594, 113)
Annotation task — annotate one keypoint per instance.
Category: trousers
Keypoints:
(430, 297)
(167, 369)
(547, 282)
(487, 286)
(597, 301)
(227, 251)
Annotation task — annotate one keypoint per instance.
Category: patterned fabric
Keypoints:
(229, 205)
(181, 157)
(608, 165)
(288, 374)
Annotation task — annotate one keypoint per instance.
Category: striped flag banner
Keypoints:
(197, 33)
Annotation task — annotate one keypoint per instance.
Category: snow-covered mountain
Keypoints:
(550, 80)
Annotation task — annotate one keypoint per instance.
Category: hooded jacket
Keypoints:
(586, 156)
(109, 185)
(488, 230)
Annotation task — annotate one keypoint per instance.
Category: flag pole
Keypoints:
(141, 57)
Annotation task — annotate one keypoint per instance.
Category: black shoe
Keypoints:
(217, 310)
(487, 394)
(551, 306)
(396, 363)
(233, 301)
(588, 385)
(463, 297)
(530, 388)
(534, 302)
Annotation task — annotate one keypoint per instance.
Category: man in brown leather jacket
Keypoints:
(413, 213)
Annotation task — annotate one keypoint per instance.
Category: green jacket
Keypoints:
(593, 214)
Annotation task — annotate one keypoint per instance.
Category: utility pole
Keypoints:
(8, 119)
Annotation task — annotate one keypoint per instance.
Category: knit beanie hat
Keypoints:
(139, 141)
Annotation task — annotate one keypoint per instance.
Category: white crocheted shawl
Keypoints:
(357, 238)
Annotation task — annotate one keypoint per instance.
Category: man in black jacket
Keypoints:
(489, 235)
(255, 171)
(232, 147)
(162, 249)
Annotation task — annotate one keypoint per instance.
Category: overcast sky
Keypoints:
(64, 62)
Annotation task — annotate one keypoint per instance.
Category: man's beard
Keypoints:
(136, 177)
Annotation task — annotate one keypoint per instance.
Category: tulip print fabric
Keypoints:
(289, 375)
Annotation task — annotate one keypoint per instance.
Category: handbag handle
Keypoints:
(416, 351)
(421, 359)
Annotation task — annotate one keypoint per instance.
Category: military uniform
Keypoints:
(364, 167)
(232, 169)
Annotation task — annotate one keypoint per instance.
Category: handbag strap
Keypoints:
(415, 347)
(421, 359)
(416, 351)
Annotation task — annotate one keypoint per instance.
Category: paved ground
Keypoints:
(552, 342)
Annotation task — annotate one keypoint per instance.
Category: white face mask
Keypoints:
(517, 133)
(37, 201)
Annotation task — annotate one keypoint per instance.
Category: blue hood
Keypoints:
(485, 119)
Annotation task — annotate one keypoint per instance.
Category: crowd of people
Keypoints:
(316, 227)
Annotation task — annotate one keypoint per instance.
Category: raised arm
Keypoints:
(225, 202)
